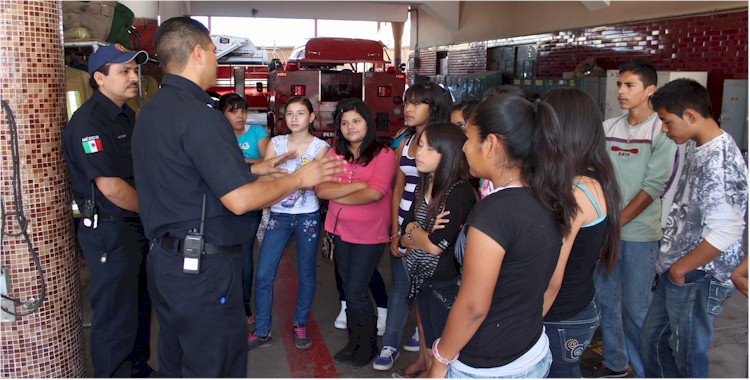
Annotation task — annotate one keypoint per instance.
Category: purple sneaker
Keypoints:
(412, 345)
(384, 361)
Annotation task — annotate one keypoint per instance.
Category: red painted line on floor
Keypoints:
(316, 361)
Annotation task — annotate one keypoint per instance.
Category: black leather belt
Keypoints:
(175, 245)
(113, 218)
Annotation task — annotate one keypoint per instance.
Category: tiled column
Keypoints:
(48, 343)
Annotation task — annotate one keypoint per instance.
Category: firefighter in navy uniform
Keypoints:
(184, 151)
(96, 144)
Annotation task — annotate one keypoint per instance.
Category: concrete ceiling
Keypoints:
(445, 21)
(445, 12)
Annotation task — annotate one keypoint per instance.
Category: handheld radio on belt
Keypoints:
(192, 247)
(90, 212)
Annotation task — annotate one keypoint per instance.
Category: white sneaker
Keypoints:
(340, 322)
(382, 315)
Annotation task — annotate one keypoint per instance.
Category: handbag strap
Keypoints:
(336, 222)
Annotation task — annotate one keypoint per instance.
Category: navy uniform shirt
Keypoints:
(182, 149)
(96, 143)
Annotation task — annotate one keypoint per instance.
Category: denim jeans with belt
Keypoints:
(355, 263)
(569, 338)
(679, 325)
(306, 229)
(631, 280)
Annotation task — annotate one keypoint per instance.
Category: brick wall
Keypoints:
(469, 58)
(716, 43)
(426, 62)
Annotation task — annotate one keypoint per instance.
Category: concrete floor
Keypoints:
(728, 354)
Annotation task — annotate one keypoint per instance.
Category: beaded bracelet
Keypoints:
(408, 234)
(440, 358)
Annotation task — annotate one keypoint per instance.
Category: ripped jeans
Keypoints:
(306, 229)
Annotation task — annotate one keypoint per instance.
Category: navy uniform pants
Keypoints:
(114, 253)
(202, 326)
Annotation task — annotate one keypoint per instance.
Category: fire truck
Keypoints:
(243, 68)
(326, 70)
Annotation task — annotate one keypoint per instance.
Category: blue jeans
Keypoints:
(538, 371)
(568, 339)
(306, 229)
(247, 262)
(631, 280)
(355, 263)
(398, 306)
(679, 325)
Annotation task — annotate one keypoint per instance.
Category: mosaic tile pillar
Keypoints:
(48, 343)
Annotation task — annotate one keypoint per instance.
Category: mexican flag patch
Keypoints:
(92, 144)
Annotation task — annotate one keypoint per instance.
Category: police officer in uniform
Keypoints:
(184, 151)
(96, 145)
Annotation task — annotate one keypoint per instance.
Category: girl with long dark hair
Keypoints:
(513, 241)
(358, 217)
(424, 103)
(444, 188)
(571, 314)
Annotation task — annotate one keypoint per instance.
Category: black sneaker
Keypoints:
(600, 370)
(301, 341)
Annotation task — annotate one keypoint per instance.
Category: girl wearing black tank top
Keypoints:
(571, 315)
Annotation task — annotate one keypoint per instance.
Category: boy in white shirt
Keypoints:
(702, 243)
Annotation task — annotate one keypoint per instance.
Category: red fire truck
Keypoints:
(326, 70)
(243, 68)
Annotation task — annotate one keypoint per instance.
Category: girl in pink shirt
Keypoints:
(359, 218)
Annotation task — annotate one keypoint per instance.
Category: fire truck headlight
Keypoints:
(397, 100)
(384, 91)
(397, 111)
(298, 90)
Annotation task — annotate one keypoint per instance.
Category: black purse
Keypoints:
(328, 248)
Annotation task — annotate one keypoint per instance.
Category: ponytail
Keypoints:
(532, 135)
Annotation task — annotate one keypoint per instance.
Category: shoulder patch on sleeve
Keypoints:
(92, 144)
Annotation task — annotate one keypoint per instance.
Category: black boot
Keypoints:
(367, 339)
(346, 353)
